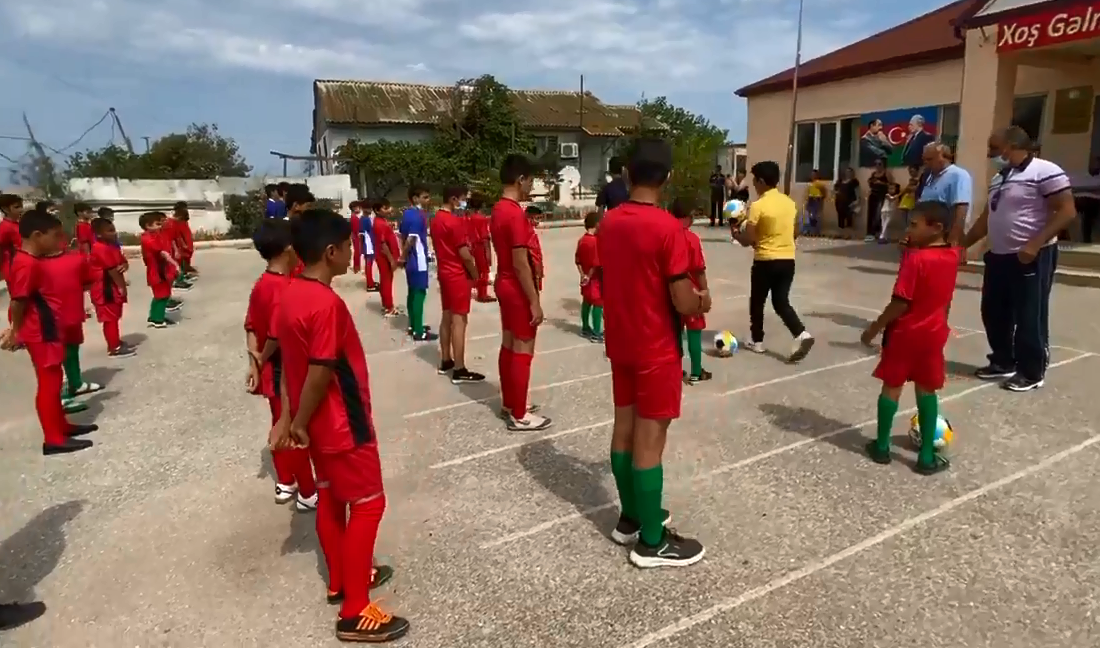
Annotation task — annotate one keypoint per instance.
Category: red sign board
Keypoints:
(1051, 27)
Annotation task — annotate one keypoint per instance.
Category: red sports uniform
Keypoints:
(588, 258)
(356, 243)
(298, 269)
(479, 246)
(107, 296)
(697, 265)
(186, 242)
(383, 236)
(315, 328)
(913, 344)
(642, 251)
(41, 333)
(10, 243)
(534, 257)
(84, 237)
(449, 235)
(510, 229)
(69, 274)
(159, 274)
(292, 466)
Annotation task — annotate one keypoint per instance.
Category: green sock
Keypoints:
(887, 410)
(416, 313)
(597, 320)
(157, 309)
(409, 305)
(71, 366)
(648, 484)
(622, 467)
(695, 352)
(586, 310)
(928, 413)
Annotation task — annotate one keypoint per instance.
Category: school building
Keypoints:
(953, 75)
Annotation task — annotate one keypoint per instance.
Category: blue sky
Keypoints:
(247, 65)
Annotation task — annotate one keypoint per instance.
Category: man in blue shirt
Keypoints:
(947, 183)
(276, 206)
(615, 192)
(414, 255)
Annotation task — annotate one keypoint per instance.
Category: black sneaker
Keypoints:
(465, 376)
(409, 330)
(596, 338)
(673, 551)
(445, 367)
(174, 308)
(80, 430)
(993, 372)
(704, 375)
(627, 530)
(68, 446)
(13, 615)
(380, 575)
(426, 336)
(371, 626)
(505, 415)
(1019, 383)
(161, 325)
(373, 289)
(122, 351)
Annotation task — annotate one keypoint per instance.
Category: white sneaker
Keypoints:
(529, 423)
(755, 347)
(802, 345)
(285, 492)
(306, 504)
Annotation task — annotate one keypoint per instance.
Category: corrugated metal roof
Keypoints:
(1001, 6)
(365, 103)
(930, 38)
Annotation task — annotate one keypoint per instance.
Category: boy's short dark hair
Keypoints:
(591, 219)
(615, 165)
(476, 202)
(37, 221)
(43, 205)
(7, 201)
(649, 162)
(180, 206)
(379, 205)
(934, 212)
(81, 207)
(417, 189)
(315, 231)
(282, 187)
(355, 204)
(270, 189)
(149, 218)
(455, 191)
(272, 238)
(682, 208)
(514, 167)
(298, 194)
(105, 212)
(767, 172)
(101, 225)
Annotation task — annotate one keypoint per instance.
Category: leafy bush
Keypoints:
(244, 213)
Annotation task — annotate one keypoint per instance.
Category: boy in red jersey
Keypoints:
(171, 230)
(517, 293)
(297, 198)
(84, 235)
(35, 315)
(184, 240)
(535, 250)
(356, 242)
(387, 252)
(160, 268)
(293, 471)
(646, 266)
(697, 270)
(327, 407)
(70, 275)
(11, 207)
(456, 269)
(108, 289)
(480, 246)
(587, 259)
(915, 331)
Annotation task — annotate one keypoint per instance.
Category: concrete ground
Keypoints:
(165, 534)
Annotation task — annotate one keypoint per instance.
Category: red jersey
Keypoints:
(697, 264)
(68, 275)
(509, 229)
(298, 269)
(449, 235)
(534, 257)
(926, 280)
(157, 269)
(10, 243)
(84, 236)
(642, 249)
(315, 328)
(263, 303)
(383, 236)
(27, 282)
(479, 228)
(186, 239)
(587, 255)
(102, 260)
(356, 240)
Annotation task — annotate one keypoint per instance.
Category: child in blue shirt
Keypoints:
(414, 257)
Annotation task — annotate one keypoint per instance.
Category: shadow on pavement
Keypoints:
(811, 423)
(577, 482)
(33, 552)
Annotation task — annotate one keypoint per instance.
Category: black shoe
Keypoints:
(465, 376)
(445, 367)
(122, 351)
(672, 551)
(626, 531)
(1019, 383)
(426, 336)
(938, 465)
(161, 325)
(993, 372)
(13, 615)
(704, 375)
(373, 289)
(597, 338)
(81, 430)
(335, 598)
(877, 455)
(371, 626)
(409, 330)
(70, 445)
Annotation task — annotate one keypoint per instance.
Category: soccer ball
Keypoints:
(724, 343)
(734, 210)
(944, 433)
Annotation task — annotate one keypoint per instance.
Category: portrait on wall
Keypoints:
(897, 137)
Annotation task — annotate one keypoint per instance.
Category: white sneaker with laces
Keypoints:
(285, 492)
(306, 504)
(529, 423)
(802, 345)
(755, 347)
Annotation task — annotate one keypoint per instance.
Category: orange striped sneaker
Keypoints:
(371, 626)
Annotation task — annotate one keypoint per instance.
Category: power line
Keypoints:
(85, 133)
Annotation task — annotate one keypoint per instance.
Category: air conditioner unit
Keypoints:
(568, 151)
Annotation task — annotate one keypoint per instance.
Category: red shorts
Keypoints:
(454, 295)
(46, 354)
(515, 310)
(592, 293)
(654, 390)
(695, 322)
(161, 290)
(108, 313)
(920, 364)
(352, 475)
(73, 334)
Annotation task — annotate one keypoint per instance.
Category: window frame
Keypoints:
(838, 123)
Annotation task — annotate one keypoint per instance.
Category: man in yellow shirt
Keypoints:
(770, 230)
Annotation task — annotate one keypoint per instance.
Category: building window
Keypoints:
(949, 125)
(740, 163)
(847, 154)
(817, 146)
(545, 144)
(1027, 113)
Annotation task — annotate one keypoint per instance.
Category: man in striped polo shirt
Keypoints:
(1029, 203)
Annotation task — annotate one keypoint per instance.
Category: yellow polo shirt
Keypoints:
(774, 214)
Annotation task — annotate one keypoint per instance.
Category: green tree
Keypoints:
(199, 153)
(481, 128)
(386, 166)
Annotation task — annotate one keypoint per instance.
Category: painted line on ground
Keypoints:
(413, 346)
(748, 461)
(906, 525)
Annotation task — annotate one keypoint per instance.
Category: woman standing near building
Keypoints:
(846, 197)
(877, 186)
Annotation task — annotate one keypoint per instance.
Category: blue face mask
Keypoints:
(462, 205)
(999, 163)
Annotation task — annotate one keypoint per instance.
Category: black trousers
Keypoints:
(1016, 310)
(716, 205)
(774, 278)
(874, 214)
(844, 214)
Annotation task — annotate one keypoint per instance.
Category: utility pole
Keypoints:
(789, 167)
(146, 138)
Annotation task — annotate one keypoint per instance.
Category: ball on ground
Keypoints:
(944, 432)
(725, 343)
